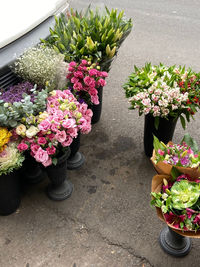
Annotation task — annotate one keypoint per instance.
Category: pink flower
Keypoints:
(73, 132)
(89, 81)
(71, 69)
(44, 125)
(22, 147)
(89, 113)
(51, 136)
(160, 152)
(51, 150)
(72, 64)
(61, 136)
(103, 74)
(78, 74)
(47, 162)
(197, 219)
(34, 148)
(41, 141)
(101, 82)
(67, 142)
(69, 123)
(84, 62)
(93, 72)
(54, 127)
(77, 86)
(41, 155)
(74, 80)
(93, 92)
(95, 100)
(190, 212)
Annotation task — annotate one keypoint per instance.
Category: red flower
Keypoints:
(174, 219)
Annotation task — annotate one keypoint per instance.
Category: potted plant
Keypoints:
(48, 136)
(184, 156)
(10, 160)
(87, 83)
(90, 35)
(176, 198)
(17, 102)
(163, 94)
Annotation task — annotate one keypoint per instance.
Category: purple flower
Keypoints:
(175, 160)
(15, 93)
(184, 161)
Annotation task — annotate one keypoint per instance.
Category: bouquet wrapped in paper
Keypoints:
(177, 201)
(184, 156)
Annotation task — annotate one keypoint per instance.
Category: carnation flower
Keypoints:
(85, 80)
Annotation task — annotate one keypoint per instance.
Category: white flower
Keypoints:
(21, 129)
(146, 102)
(32, 131)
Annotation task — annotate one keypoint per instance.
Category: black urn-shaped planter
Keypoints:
(9, 193)
(173, 243)
(164, 132)
(76, 158)
(31, 171)
(59, 188)
(96, 109)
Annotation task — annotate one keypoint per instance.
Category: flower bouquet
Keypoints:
(43, 66)
(50, 133)
(87, 84)
(85, 80)
(89, 35)
(164, 92)
(184, 156)
(177, 200)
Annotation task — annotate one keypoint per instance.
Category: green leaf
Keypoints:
(175, 173)
(54, 161)
(182, 121)
(190, 142)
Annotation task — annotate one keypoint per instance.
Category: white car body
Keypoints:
(22, 24)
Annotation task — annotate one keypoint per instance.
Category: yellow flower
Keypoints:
(4, 138)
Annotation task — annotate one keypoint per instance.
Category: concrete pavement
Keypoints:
(108, 221)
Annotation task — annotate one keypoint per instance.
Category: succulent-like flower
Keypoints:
(10, 159)
(184, 194)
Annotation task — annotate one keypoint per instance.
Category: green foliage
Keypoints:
(11, 114)
(190, 142)
(89, 35)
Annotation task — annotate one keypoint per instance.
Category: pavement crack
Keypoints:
(76, 221)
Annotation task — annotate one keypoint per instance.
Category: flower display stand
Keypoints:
(164, 132)
(10, 197)
(173, 243)
(76, 158)
(60, 187)
(96, 109)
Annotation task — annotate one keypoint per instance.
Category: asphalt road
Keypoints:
(108, 220)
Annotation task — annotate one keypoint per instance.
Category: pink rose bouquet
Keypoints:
(53, 130)
(85, 79)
